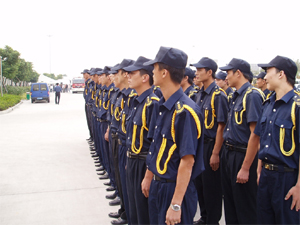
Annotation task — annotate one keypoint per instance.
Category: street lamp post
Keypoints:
(1, 74)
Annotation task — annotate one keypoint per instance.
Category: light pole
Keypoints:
(1, 74)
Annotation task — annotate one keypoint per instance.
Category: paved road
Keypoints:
(47, 175)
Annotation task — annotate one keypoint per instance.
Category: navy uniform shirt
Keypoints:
(142, 119)
(279, 116)
(181, 137)
(117, 107)
(128, 95)
(112, 102)
(98, 91)
(157, 91)
(191, 93)
(86, 85)
(90, 96)
(229, 91)
(237, 131)
(266, 92)
(214, 109)
(106, 95)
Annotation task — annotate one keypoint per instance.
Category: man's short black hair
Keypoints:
(289, 79)
(176, 74)
(143, 72)
(213, 73)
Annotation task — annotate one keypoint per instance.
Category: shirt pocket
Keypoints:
(283, 132)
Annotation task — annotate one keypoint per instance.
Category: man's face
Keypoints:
(221, 83)
(157, 75)
(272, 78)
(135, 79)
(202, 75)
(260, 82)
(105, 79)
(231, 78)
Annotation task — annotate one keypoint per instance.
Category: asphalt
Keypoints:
(47, 175)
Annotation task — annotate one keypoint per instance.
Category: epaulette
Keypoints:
(111, 89)
(155, 98)
(221, 89)
(297, 98)
(260, 91)
(192, 92)
(132, 94)
(179, 107)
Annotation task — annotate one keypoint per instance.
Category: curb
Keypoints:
(11, 108)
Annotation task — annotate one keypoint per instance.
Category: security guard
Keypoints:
(262, 84)
(222, 83)
(239, 159)
(187, 84)
(87, 79)
(175, 156)
(140, 127)
(213, 102)
(278, 168)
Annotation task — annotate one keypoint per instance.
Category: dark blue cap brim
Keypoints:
(225, 68)
(265, 66)
(151, 62)
(131, 68)
(113, 71)
(198, 65)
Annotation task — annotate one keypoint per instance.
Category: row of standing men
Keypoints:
(165, 148)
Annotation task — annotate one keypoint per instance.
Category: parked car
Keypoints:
(39, 91)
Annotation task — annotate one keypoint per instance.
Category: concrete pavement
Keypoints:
(47, 175)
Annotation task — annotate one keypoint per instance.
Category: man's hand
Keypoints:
(145, 185)
(243, 176)
(295, 192)
(214, 161)
(106, 136)
(173, 217)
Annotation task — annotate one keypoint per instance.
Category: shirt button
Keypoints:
(155, 127)
(271, 121)
(281, 125)
(149, 153)
(266, 158)
(163, 135)
(128, 138)
(201, 100)
(269, 134)
(160, 113)
(233, 103)
(153, 140)
(274, 110)
(267, 146)
(134, 122)
(227, 128)
(134, 108)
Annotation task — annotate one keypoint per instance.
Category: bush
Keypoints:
(8, 101)
(16, 90)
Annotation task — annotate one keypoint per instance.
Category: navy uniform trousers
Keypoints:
(270, 189)
(212, 190)
(105, 148)
(160, 196)
(237, 212)
(136, 169)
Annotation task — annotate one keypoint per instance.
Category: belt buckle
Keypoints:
(267, 166)
(128, 154)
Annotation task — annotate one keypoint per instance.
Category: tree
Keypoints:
(11, 64)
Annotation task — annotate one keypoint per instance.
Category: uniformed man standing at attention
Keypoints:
(187, 84)
(239, 159)
(140, 128)
(262, 84)
(222, 83)
(214, 105)
(278, 197)
(175, 156)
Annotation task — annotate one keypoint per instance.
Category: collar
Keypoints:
(172, 100)
(187, 91)
(127, 91)
(144, 95)
(209, 89)
(243, 88)
(112, 85)
(286, 98)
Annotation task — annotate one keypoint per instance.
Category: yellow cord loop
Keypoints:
(174, 146)
(282, 134)
(123, 123)
(213, 111)
(107, 104)
(244, 108)
(144, 126)
(117, 111)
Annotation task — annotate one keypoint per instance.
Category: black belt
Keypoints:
(102, 120)
(114, 135)
(207, 140)
(141, 155)
(274, 167)
(236, 148)
(162, 179)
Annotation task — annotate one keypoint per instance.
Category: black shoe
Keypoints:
(101, 168)
(104, 177)
(114, 215)
(107, 183)
(98, 169)
(117, 201)
(111, 188)
(94, 156)
(119, 221)
(89, 139)
(101, 173)
(200, 221)
(98, 165)
(99, 162)
(113, 196)
(93, 152)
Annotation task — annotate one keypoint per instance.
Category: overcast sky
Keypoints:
(89, 33)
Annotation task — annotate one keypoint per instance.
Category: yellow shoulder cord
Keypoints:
(213, 111)
(96, 101)
(268, 96)
(144, 126)
(132, 94)
(111, 109)
(191, 93)
(106, 107)
(282, 134)
(229, 97)
(261, 93)
(117, 111)
(174, 146)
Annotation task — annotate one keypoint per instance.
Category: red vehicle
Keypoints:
(77, 85)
